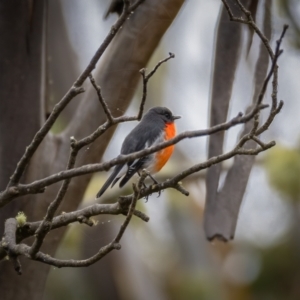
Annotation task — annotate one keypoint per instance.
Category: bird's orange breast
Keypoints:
(163, 155)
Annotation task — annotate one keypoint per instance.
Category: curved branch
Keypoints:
(65, 219)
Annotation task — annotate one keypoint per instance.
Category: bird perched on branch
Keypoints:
(156, 126)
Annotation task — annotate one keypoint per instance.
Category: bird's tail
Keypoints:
(110, 179)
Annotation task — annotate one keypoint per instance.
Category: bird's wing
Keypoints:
(132, 169)
(141, 137)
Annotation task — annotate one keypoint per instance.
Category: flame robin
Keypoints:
(156, 126)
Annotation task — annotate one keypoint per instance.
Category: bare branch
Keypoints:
(250, 22)
(275, 109)
(45, 226)
(14, 250)
(178, 186)
(145, 82)
(65, 219)
(101, 100)
(135, 197)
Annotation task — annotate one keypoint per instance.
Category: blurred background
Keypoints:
(169, 257)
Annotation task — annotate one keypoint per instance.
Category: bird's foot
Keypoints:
(154, 183)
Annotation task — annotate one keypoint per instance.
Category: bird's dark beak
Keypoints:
(176, 117)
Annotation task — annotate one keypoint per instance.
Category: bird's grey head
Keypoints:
(164, 113)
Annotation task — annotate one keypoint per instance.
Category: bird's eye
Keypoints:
(167, 115)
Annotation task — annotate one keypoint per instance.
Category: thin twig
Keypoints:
(101, 99)
(249, 22)
(178, 186)
(128, 217)
(145, 82)
(275, 109)
(136, 196)
(46, 224)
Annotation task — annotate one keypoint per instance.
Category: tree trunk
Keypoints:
(21, 31)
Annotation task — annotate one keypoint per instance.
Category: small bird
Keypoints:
(156, 126)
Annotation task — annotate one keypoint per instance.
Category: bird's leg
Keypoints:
(144, 185)
(154, 180)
